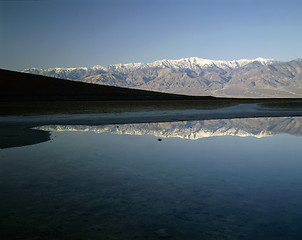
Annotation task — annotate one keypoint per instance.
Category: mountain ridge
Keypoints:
(182, 62)
(195, 76)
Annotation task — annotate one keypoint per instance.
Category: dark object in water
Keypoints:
(159, 139)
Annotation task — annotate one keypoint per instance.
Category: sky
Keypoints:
(72, 33)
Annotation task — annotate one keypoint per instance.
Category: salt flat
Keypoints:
(238, 111)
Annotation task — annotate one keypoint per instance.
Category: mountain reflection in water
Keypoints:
(83, 185)
(244, 127)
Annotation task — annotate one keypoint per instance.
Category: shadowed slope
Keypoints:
(24, 86)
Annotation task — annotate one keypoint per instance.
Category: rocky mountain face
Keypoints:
(246, 127)
(195, 76)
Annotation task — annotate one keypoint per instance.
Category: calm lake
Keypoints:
(214, 179)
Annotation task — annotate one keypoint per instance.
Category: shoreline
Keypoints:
(238, 111)
(16, 131)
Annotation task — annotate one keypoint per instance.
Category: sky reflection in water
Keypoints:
(111, 186)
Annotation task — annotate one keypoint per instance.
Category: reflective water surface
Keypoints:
(126, 184)
(242, 127)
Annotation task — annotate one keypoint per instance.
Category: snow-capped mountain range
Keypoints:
(193, 130)
(191, 63)
(195, 76)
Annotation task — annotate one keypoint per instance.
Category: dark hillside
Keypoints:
(24, 86)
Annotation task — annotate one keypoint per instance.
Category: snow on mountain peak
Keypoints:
(183, 63)
(195, 62)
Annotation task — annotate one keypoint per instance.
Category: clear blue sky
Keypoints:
(86, 33)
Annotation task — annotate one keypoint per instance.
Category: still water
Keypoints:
(215, 179)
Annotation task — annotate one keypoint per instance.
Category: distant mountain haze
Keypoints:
(195, 76)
